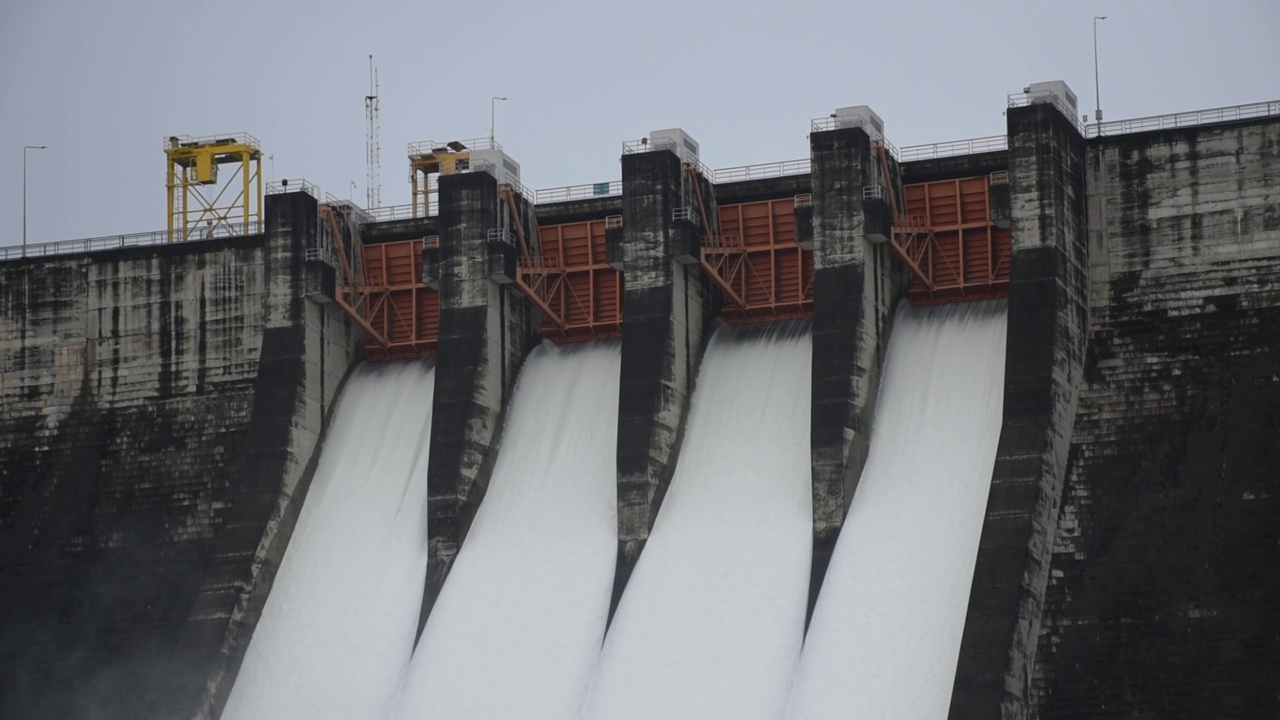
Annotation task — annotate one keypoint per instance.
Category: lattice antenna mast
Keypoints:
(372, 146)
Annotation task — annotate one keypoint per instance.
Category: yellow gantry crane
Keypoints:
(202, 204)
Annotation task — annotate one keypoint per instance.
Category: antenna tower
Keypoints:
(372, 148)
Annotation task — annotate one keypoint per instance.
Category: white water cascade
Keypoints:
(337, 631)
(518, 625)
(712, 619)
(885, 634)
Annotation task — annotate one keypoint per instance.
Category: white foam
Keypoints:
(886, 630)
(712, 619)
(518, 624)
(337, 631)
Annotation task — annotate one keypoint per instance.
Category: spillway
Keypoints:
(885, 633)
(712, 619)
(337, 631)
(518, 624)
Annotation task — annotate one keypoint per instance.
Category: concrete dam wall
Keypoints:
(163, 406)
(160, 408)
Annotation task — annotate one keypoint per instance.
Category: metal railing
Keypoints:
(646, 145)
(391, 212)
(287, 185)
(112, 242)
(500, 234)
(519, 187)
(822, 124)
(172, 141)
(761, 171)
(1185, 119)
(1023, 99)
(578, 192)
(831, 122)
(685, 213)
(954, 148)
(428, 147)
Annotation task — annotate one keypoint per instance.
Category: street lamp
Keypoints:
(1097, 94)
(492, 102)
(25, 148)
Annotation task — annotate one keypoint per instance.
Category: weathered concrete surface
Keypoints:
(742, 191)
(486, 329)
(666, 309)
(159, 409)
(1048, 316)
(1163, 596)
(856, 284)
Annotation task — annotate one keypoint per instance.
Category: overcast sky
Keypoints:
(102, 83)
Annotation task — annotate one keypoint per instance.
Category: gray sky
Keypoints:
(103, 83)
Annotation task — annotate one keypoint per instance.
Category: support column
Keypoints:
(486, 329)
(1048, 325)
(665, 309)
(856, 283)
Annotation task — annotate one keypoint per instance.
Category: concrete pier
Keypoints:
(856, 285)
(666, 308)
(1048, 328)
(487, 327)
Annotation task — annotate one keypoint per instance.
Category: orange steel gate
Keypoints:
(756, 262)
(963, 255)
(572, 282)
(403, 310)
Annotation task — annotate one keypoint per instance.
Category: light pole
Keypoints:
(25, 148)
(492, 116)
(1097, 93)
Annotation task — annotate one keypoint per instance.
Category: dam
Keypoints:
(982, 429)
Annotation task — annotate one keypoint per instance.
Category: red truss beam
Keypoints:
(943, 232)
(399, 313)
(571, 281)
(756, 262)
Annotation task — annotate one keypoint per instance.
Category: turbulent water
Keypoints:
(518, 625)
(712, 619)
(886, 631)
(337, 631)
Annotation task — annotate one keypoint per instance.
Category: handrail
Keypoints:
(954, 148)
(831, 122)
(392, 212)
(630, 147)
(1229, 113)
(242, 138)
(1024, 99)
(112, 242)
(578, 192)
(761, 171)
(428, 147)
(277, 187)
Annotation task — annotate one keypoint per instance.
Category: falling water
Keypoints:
(337, 631)
(518, 625)
(885, 634)
(712, 619)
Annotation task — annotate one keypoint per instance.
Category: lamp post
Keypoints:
(26, 148)
(1097, 93)
(492, 116)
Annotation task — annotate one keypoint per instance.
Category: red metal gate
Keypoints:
(572, 282)
(757, 264)
(964, 256)
(403, 310)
